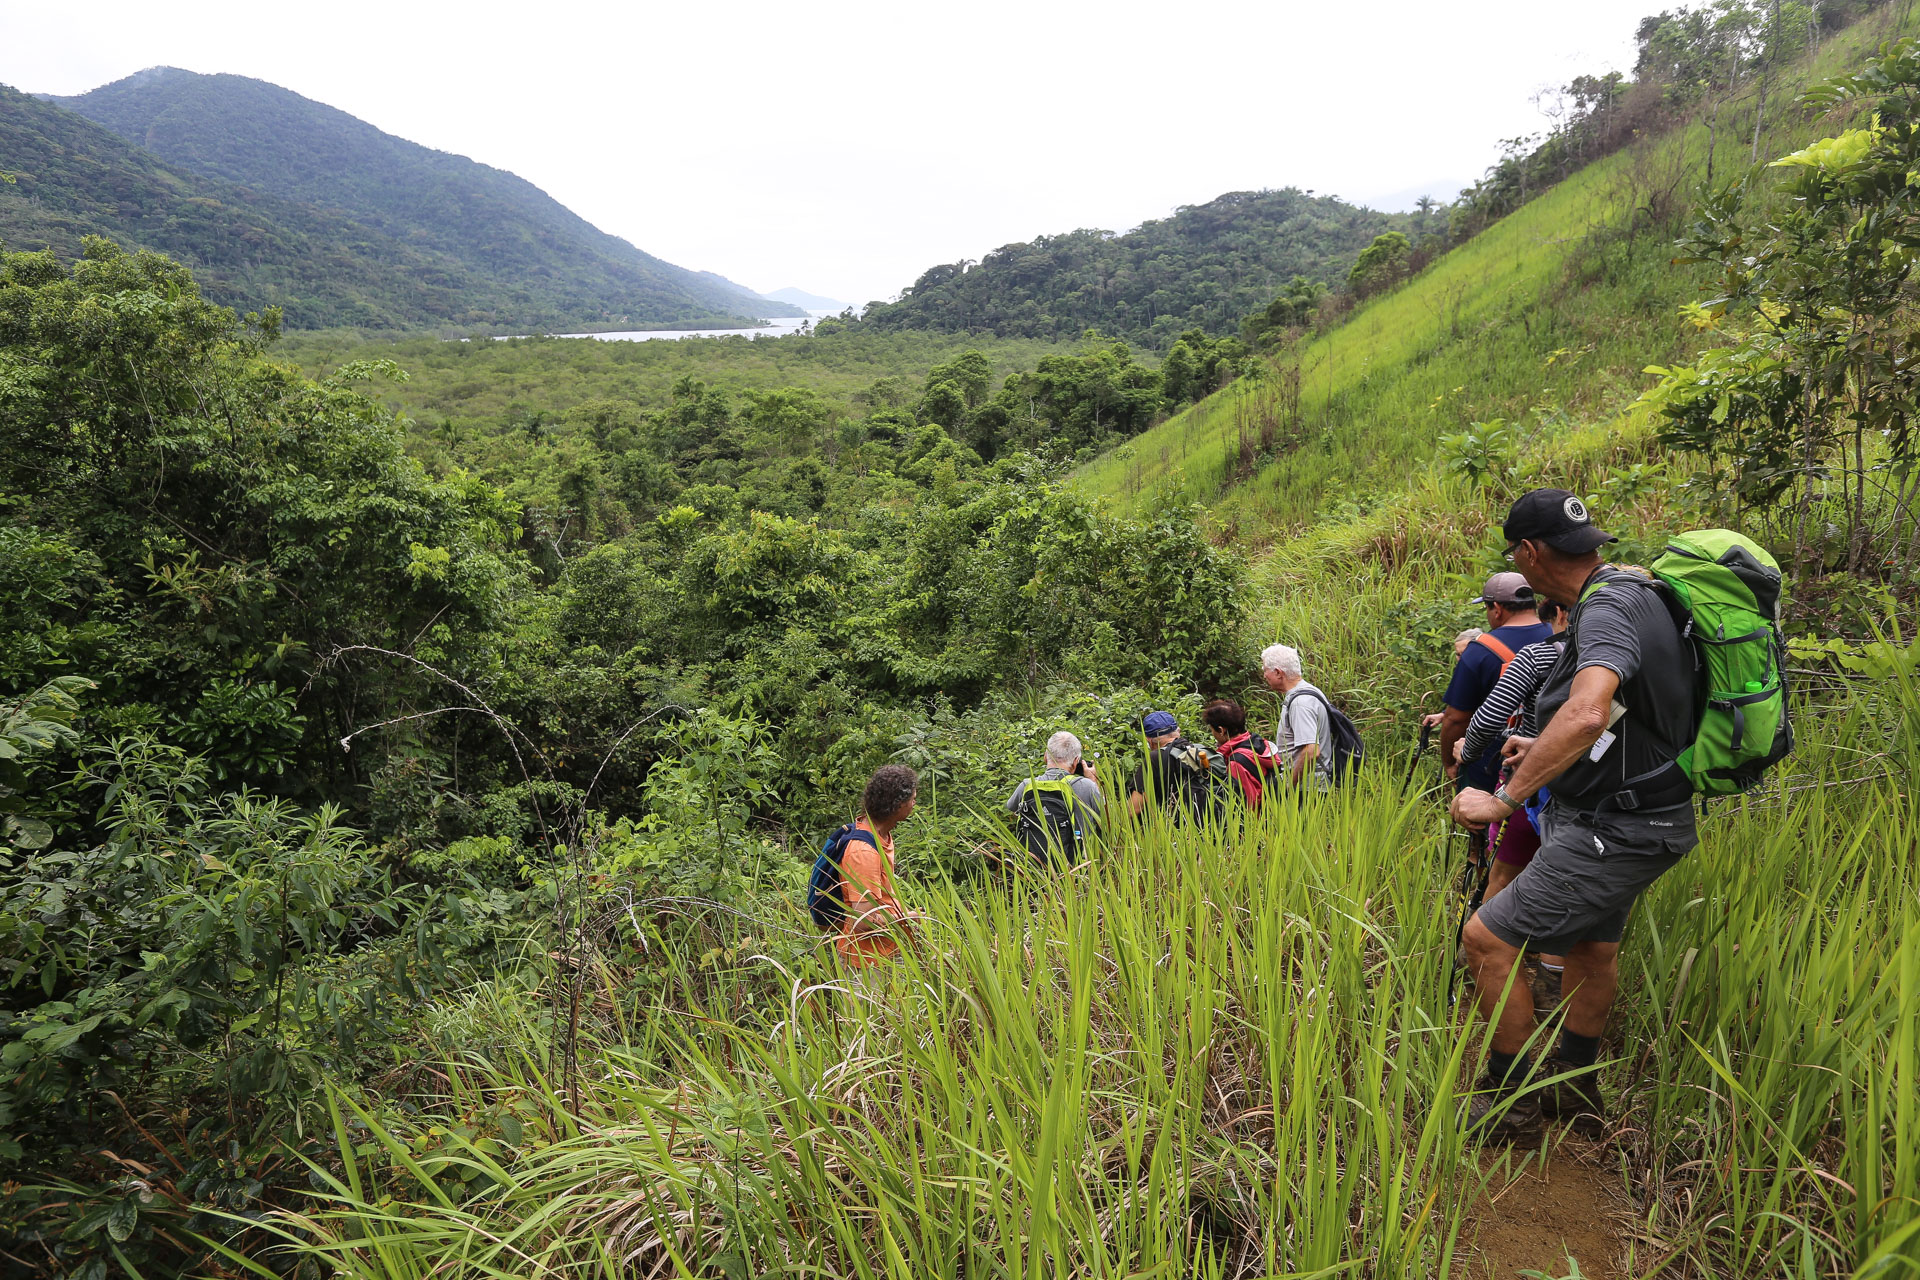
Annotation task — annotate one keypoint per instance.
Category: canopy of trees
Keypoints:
(1205, 267)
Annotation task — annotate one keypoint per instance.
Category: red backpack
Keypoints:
(1250, 761)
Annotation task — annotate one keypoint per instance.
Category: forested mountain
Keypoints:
(527, 263)
(68, 178)
(499, 225)
(1206, 267)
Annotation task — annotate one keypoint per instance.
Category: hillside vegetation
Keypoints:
(1204, 267)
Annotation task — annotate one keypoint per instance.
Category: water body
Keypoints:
(772, 329)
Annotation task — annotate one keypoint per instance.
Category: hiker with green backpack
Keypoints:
(1057, 815)
(1668, 686)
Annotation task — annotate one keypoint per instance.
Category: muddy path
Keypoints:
(1539, 1209)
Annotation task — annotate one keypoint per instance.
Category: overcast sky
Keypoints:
(845, 147)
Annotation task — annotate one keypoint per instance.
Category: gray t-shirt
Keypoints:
(1303, 720)
(1623, 625)
(1085, 790)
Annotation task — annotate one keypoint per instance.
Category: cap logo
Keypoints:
(1576, 510)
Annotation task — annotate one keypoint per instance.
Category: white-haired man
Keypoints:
(1305, 731)
(1058, 813)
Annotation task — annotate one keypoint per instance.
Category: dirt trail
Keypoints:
(1566, 1201)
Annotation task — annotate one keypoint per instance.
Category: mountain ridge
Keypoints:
(491, 249)
(71, 178)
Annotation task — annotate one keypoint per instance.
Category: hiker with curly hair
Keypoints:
(874, 921)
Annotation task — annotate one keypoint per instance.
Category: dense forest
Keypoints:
(255, 644)
(278, 201)
(1205, 267)
(583, 433)
(412, 752)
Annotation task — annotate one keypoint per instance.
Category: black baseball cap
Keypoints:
(1556, 517)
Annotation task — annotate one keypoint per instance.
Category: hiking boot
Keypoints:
(1496, 1113)
(1546, 993)
(1577, 1100)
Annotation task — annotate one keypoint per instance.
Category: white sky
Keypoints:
(845, 147)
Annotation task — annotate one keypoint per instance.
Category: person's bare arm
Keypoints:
(1136, 801)
(1568, 736)
(1453, 727)
(1303, 760)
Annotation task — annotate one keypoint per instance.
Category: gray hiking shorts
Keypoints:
(1583, 882)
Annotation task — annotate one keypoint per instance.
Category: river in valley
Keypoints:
(772, 329)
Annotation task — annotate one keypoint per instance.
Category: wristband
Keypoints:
(1500, 794)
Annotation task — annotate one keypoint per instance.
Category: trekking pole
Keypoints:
(1426, 736)
(1478, 870)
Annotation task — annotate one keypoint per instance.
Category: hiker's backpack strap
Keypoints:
(1345, 750)
(1497, 647)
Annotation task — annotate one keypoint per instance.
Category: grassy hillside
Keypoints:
(1543, 321)
(1206, 266)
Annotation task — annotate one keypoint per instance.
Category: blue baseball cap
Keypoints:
(1159, 722)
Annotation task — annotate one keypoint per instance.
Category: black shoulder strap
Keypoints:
(1317, 696)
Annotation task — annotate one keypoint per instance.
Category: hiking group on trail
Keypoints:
(1579, 726)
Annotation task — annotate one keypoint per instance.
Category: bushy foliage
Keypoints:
(238, 522)
(1817, 381)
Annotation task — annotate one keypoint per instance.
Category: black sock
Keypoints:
(1578, 1050)
(1509, 1070)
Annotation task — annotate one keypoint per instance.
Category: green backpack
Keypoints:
(1724, 591)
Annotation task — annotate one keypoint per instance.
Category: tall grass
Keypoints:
(1218, 1055)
